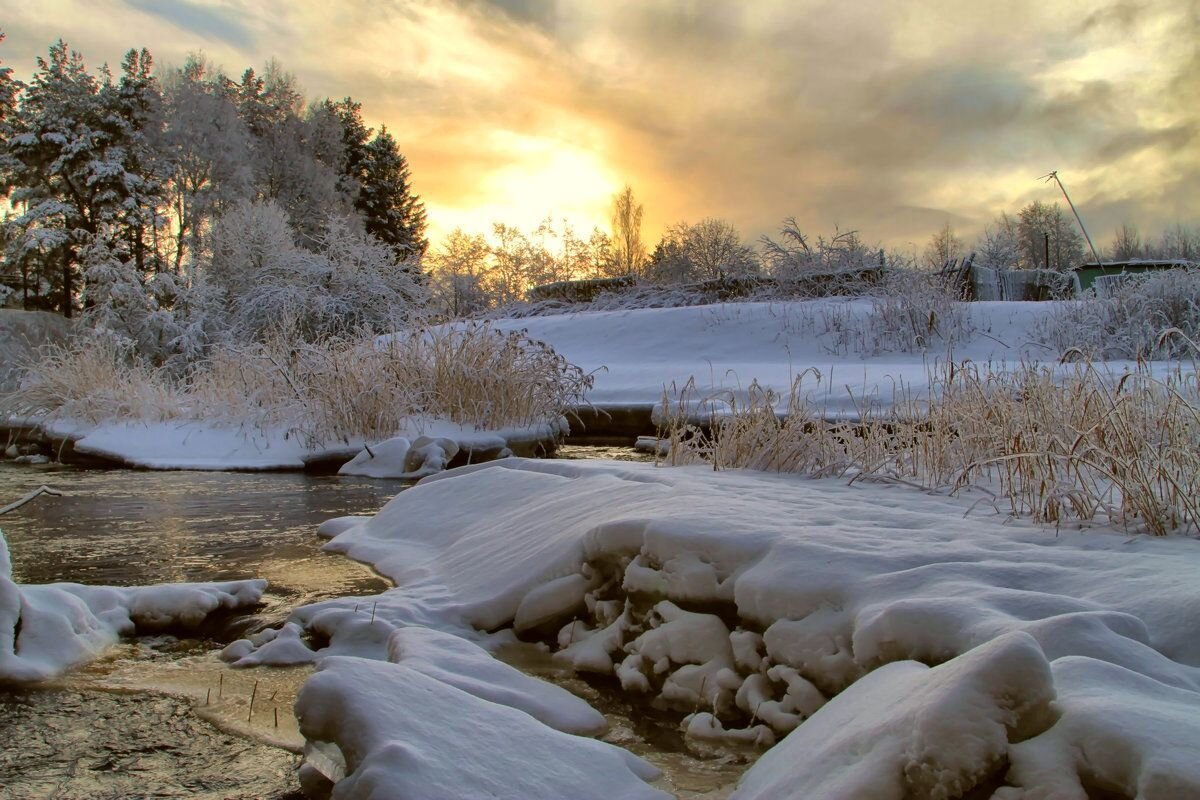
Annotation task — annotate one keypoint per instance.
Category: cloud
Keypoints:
(213, 22)
(887, 117)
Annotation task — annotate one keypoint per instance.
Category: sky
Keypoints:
(890, 118)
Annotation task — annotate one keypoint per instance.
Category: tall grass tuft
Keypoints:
(1053, 443)
(338, 388)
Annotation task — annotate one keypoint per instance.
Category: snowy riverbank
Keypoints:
(49, 628)
(888, 640)
(216, 445)
(859, 353)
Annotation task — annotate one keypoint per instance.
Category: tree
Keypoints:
(390, 210)
(259, 280)
(458, 273)
(1035, 222)
(10, 88)
(208, 148)
(999, 246)
(1180, 241)
(708, 249)
(66, 159)
(1126, 244)
(944, 247)
(628, 250)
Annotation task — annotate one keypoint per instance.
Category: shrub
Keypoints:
(1130, 322)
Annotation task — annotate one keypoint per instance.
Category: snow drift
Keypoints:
(773, 607)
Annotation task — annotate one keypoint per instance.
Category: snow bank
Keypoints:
(726, 346)
(196, 445)
(759, 601)
(49, 628)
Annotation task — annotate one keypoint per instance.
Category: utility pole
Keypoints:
(1053, 175)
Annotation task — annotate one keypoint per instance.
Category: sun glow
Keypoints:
(544, 177)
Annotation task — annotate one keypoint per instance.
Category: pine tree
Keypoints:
(390, 211)
(63, 182)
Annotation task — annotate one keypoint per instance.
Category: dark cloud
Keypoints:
(205, 20)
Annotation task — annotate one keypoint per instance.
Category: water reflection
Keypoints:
(121, 527)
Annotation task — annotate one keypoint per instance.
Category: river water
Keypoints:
(162, 716)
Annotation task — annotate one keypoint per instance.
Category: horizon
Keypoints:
(934, 116)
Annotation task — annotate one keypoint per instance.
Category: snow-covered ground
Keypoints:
(894, 644)
(46, 629)
(640, 352)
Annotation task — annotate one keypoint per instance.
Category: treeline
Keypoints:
(158, 201)
(472, 272)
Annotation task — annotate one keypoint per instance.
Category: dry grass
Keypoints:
(1052, 443)
(339, 388)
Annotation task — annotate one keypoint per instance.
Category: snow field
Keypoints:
(891, 645)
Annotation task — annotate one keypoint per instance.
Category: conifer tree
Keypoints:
(390, 211)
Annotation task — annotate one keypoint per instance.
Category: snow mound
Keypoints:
(907, 730)
(464, 665)
(50, 628)
(403, 733)
(761, 604)
(400, 458)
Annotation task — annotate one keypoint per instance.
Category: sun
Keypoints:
(543, 176)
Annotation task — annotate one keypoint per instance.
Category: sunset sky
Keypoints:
(891, 118)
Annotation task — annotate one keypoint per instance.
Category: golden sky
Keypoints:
(888, 117)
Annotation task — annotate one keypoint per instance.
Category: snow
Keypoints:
(908, 730)
(47, 629)
(212, 445)
(640, 352)
(895, 644)
(404, 733)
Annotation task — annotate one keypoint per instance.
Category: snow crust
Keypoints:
(865, 619)
(47, 629)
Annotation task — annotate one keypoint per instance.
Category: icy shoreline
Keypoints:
(46, 629)
(205, 445)
(889, 643)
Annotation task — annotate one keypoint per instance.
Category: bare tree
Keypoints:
(628, 249)
(1127, 243)
(944, 247)
(711, 248)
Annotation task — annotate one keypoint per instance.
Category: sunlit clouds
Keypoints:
(892, 118)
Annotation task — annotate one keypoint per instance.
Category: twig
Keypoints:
(35, 493)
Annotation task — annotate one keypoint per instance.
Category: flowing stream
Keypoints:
(161, 716)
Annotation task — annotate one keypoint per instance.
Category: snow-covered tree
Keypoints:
(943, 247)
(208, 148)
(258, 279)
(998, 247)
